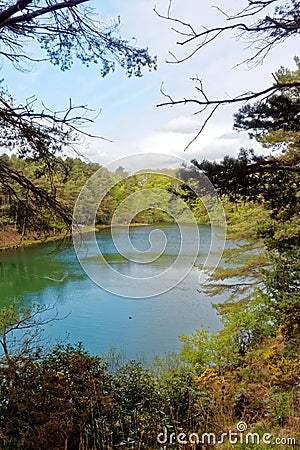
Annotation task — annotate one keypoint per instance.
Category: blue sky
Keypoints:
(129, 116)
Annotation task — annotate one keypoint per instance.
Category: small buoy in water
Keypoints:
(129, 317)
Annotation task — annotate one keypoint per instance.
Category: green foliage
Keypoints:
(282, 284)
(270, 180)
(259, 179)
(66, 398)
(272, 183)
(279, 112)
(245, 325)
(159, 191)
(53, 401)
(252, 364)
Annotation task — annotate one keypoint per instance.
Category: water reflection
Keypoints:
(99, 319)
(30, 270)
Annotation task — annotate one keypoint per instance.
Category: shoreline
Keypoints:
(15, 245)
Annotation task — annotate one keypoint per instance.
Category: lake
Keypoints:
(139, 326)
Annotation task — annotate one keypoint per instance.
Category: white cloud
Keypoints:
(213, 143)
(183, 124)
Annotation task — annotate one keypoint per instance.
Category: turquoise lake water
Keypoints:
(139, 327)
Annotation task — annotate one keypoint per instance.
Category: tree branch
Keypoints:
(205, 102)
(17, 7)
(266, 31)
(241, 98)
(10, 21)
(40, 195)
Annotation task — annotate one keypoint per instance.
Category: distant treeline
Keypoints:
(63, 179)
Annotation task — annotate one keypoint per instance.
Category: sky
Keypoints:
(128, 113)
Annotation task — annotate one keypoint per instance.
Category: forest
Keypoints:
(248, 372)
(26, 225)
(238, 387)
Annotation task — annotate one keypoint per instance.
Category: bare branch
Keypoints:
(239, 99)
(202, 127)
(12, 56)
(11, 21)
(252, 9)
(168, 17)
(263, 34)
(204, 102)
